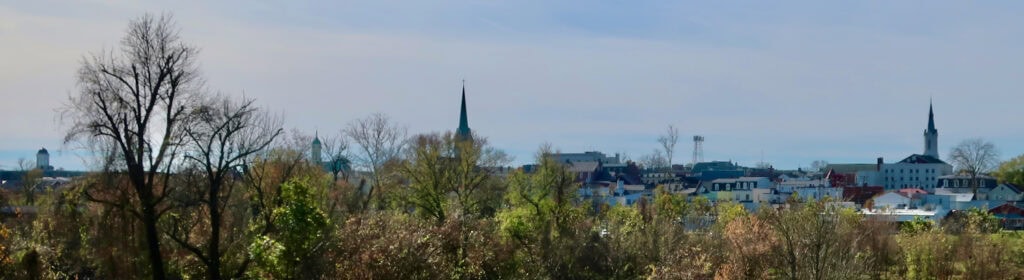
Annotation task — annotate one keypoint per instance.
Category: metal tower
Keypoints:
(698, 149)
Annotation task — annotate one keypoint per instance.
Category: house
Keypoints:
(709, 171)
(723, 184)
(964, 181)
(748, 183)
(856, 174)
(1005, 192)
(945, 199)
(981, 194)
(912, 191)
(859, 195)
(905, 215)
(892, 200)
(589, 156)
(816, 193)
(790, 184)
(1010, 217)
(589, 173)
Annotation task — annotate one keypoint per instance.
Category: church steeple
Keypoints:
(463, 132)
(315, 153)
(931, 118)
(931, 135)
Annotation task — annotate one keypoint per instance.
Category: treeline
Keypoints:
(191, 184)
(304, 225)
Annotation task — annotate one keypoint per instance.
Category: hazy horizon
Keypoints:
(844, 82)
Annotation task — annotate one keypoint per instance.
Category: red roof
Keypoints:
(912, 191)
(1007, 208)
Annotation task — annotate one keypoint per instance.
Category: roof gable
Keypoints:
(1009, 187)
(919, 159)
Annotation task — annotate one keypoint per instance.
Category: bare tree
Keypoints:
(133, 103)
(30, 179)
(654, 160)
(336, 149)
(222, 135)
(380, 142)
(974, 156)
(819, 165)
(668, 143)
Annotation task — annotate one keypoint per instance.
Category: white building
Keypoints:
(43, 159)
(892, 200)
(915, 171)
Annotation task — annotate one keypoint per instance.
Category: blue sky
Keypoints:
(843, 81)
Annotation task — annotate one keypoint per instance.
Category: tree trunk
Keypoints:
(213, 249)
(149, 220)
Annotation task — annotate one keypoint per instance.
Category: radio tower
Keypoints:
(698, 149)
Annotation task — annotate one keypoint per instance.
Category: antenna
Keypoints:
(698, 149)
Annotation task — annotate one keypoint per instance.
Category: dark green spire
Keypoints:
(931, 118)
(463, 132)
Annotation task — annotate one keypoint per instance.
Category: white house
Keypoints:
(754, 183)
(1005, 192)
(792, 184)
(892, 200)
(817, 193)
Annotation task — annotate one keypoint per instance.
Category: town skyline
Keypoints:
(602, 80)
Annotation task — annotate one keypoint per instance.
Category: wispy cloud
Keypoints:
(842, 81)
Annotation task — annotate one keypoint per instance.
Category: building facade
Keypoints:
(915, 171)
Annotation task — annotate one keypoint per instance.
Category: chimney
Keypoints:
(878, 167)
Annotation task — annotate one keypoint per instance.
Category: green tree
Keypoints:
(816, 241)
(541, 215)
(1011, 171)
(917, 225)
(444, 171)
(302, 230)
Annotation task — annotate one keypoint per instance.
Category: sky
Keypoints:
(784, 83)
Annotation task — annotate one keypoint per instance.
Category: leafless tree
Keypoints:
(819, 165)
(223, 133)
(379, 142)
(336, 149)
(30, 179)
(133, 103)
(668, 143)
(974, 156)
(654, 160)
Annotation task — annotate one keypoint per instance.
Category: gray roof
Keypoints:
(583, 166)
(851, 167)
(918, 159)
